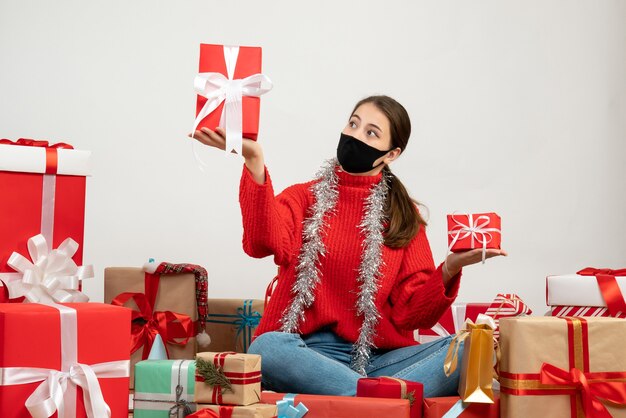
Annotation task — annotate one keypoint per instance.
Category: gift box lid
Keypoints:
(33, 159)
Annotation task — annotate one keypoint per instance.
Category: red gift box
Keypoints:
(452, 321)
(438, 407)
(44, 190)
(228, 87)
(471, 231)
(322, 406)
(391, 387)
(42, 344)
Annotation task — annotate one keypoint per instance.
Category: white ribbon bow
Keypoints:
(217, 89)
(51, 277)
(475, 229)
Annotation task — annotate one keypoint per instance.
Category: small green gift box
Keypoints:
(164, 388)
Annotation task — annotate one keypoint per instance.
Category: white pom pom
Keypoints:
(203, 339)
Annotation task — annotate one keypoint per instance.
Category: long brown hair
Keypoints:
(400, 209)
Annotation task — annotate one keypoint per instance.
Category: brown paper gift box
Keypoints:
(232, 322)
(243, 371)
(259, 410)
(177, 293)
(588, 346)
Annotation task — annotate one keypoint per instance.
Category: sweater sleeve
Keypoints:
(269, 223)
(419, 297)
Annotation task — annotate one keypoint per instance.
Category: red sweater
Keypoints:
(411, 294)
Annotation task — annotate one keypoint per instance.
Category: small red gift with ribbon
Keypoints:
(391, 387)
(229, 86)
(563, 367)
(228, 378)
(589, 292)
(471, 231)
(44, 189)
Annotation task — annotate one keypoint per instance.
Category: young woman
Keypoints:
(356, 271)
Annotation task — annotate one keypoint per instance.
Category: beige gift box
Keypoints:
(259, 410)
(231, 323)
(534, 347)
(241, 371)
(177, 293)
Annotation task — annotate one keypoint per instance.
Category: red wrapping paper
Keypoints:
(446, 324)
(20, 213)
(321, 406)
(30, 337)
(488, 231)
(385, 387)
(587, 311)
(438, 407)
(248, 63)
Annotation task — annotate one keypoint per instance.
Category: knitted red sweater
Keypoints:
(411, 294)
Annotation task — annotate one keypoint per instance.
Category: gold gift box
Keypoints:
(177, 293)
(577, 346)
(259, 410)
(232, 322)
(242, 371)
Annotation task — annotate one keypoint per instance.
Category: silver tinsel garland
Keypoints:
(326, 194)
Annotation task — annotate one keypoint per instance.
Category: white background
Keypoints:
(518, 107)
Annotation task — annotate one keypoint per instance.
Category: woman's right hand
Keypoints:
(251, 150)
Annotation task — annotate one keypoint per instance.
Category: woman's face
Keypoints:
(369, 125)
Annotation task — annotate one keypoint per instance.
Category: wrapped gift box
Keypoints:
(239, 376)
(451, 321)
(217, 59)
(231, 323)
(588, 290)
(321, 406)
(44, 186)
(470, 231)
(439, 407)
(583, 311)
(161, 386)
(257, 410)
(176, 293)
(391, 387)
(47, 342)
(545, 359)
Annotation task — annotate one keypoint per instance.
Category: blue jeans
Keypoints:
(319, 363)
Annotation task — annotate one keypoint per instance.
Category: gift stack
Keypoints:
(41, 226)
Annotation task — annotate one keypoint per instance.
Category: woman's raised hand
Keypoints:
(251, 150)
(455, 261)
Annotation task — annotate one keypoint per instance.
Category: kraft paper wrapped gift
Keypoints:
(563, 367)
(257, 410)
(42, 346)
(394, 388)
(322, 406)
(44, 189)
(231, 323)
(589, 288)
(228, 86)
(439, 407)
(164, 388)
(228, 378)
(175, 293)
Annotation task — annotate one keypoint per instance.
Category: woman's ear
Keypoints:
(393, 154)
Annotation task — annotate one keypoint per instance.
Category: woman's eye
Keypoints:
(371, 133)
(352, 124)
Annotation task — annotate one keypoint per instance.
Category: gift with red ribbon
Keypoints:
(166, 299)
(257, 410)
(52, 360)
(44, 189)
(391, 387)
(563, 367)
(228, 378)
(229, 86)
(471, 231)
(588, 288)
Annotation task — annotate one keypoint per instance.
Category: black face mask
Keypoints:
(356, 156)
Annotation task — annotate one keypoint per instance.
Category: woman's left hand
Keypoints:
(455, 261)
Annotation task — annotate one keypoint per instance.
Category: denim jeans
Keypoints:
(320, 363)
